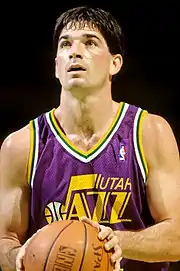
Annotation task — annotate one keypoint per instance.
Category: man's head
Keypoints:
(89, 48)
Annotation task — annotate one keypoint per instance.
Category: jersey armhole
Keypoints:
(34, 148)
(138, 145)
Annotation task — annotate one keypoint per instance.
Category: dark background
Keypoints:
(149, 78)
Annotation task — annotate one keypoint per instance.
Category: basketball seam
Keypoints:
(45, 264)
(85, 245)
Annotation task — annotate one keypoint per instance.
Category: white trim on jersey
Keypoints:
(36, 152)
(135, 141)
(99, 150)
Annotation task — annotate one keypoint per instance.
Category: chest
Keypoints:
(108, 169)
(83, 143)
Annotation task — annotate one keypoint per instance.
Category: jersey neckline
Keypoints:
(86, 156)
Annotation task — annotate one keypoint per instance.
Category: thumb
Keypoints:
(90, 222)
(20, 258)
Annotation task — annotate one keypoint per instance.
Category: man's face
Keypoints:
(83, 59)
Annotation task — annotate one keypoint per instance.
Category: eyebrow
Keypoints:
(84, 36)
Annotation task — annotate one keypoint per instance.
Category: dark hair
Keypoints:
(94, 17)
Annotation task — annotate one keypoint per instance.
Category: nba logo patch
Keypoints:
(122, 152)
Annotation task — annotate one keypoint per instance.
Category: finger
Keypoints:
(117, 266)
(19, 259)
(20, 269)
(111, 243)
(110, 236)
(104, 232)
(19, 264)
(90, 222)
(117, 255)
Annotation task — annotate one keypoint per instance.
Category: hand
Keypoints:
(22, 252)
(112, 243)
(20, 257)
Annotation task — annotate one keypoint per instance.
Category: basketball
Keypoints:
(67, 245)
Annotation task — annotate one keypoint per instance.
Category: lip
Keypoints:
(74, 66)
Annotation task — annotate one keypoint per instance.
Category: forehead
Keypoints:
(80, 29)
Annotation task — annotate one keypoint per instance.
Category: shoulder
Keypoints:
(155, 126)
(14, 154)
(152, 125)
(158, 139)
(17, 141)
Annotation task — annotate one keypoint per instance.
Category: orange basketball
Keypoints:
(67, 245)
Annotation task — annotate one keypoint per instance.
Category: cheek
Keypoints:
(59, 62)
(101, 63)
(101, 57)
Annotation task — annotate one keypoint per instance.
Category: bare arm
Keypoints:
(14, 196)
(160, 242)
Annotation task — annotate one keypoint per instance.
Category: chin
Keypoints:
(76, 84)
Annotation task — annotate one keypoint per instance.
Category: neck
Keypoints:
(86, 117)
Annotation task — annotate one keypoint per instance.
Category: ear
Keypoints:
(56, 67)
(116, 64)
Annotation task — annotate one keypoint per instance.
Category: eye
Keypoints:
(65, 43)
(91, 43)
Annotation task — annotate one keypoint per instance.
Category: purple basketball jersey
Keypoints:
(106, 183)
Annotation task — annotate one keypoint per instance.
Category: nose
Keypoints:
(75, 51)
(75, 55)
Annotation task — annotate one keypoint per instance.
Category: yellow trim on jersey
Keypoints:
(141, 148)
(31, 153)
(96, 146)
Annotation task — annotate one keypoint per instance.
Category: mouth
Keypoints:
(76, 68)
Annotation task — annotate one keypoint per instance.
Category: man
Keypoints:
(92, 157)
